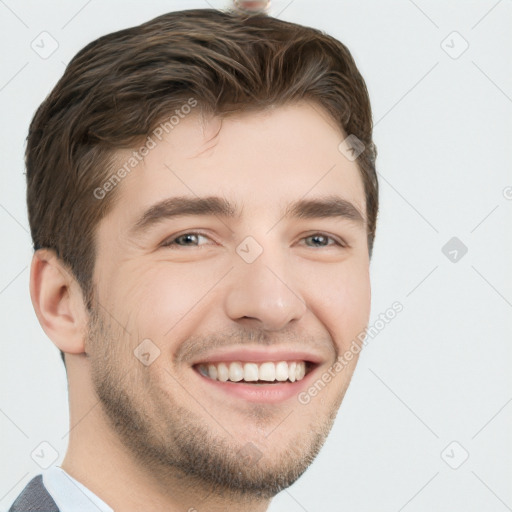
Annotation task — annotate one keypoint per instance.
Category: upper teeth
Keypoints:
(251, 372)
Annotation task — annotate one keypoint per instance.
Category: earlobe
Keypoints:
(58, 302)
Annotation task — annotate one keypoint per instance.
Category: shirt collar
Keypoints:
(69, 494)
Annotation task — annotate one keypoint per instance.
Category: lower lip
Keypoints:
(261, 393)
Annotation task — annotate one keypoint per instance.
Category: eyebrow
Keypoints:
(331, 206)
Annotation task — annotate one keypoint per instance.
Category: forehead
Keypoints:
(261, 161)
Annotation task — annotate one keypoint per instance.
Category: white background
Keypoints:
(440, 371)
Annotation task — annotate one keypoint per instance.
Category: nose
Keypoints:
(262, 294)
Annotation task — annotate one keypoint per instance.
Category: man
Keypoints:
(202, 199)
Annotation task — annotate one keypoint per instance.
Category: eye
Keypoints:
(322, 240)
(191, 239)
(184, 240)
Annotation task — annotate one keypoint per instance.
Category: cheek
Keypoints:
(165, 300)
(165, 297)
(341, 301)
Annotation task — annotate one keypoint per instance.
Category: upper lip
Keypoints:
(260, 356)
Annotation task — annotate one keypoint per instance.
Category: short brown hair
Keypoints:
(119, 87)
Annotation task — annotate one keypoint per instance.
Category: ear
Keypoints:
(58, 302)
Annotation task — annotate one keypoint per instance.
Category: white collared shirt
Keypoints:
(69, 494)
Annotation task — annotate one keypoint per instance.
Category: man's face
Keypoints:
(258, 287)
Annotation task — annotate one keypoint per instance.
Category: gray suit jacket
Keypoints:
(34, 498)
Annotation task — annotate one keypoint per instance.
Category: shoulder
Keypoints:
(34, 498)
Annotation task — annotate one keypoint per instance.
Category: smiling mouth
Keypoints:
(259, 373)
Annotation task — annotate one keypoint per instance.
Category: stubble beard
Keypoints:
(172, 442)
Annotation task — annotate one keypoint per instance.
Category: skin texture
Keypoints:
(157, 437)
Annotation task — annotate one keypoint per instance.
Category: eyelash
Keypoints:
(172, 241)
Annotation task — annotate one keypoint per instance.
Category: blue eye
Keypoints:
(187, 237)
(323, 240)
(191, 239)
